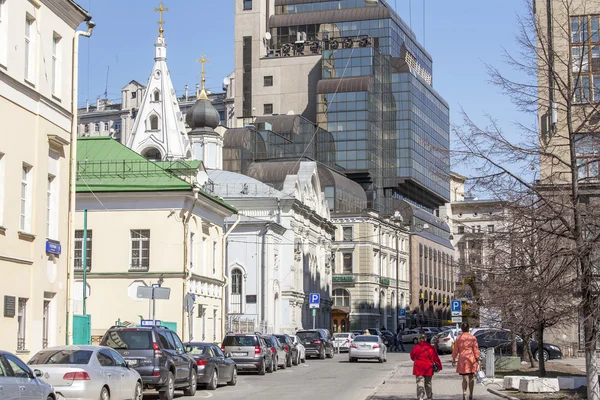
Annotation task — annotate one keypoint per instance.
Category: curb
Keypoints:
(499, 394)
(392, 374)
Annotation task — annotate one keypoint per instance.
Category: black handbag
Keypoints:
(434, 365)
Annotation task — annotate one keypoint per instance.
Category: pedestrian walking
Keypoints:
(426, 362)
(467, 352)
(399, 340)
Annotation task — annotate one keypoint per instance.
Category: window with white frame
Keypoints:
(45, 324)
(30, 48)
(56, 64)
(347, 232)
(79, 250)
(214, 258)
(97, 127)
(3, 32)
(347, 262)
(25, 220)
(140, 249)
(341, 298)
(21, 324)
(2, 186)
(106, 127)
(236, 291)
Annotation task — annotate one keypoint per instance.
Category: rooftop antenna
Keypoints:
(106, 86)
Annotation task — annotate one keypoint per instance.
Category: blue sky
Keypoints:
(460, 35)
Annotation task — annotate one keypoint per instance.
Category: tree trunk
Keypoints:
(590, 328)
(527, 355)
(541, 361)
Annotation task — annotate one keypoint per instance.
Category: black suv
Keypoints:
(249, 351)
(316, 343)
(158, 355)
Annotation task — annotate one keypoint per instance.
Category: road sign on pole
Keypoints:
(456, 308)
(402, 314)
(313, 300)
(456, 320)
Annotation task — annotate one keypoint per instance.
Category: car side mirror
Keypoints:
(37, 373)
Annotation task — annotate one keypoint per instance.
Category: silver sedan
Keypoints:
(367, 347)
(17, 381)
(87, 372)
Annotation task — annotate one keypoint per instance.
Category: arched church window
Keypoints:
(236, 291)
(156, 95)
(153, 122)
(153, 154)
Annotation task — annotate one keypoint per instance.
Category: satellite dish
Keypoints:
(226, 81)
(268, 36)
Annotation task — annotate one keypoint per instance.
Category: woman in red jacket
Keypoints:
(424, 356)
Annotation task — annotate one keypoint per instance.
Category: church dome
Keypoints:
(202, 117)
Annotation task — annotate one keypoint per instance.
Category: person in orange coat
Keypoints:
(467, 351)
(424, 356)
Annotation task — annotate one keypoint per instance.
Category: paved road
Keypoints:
(329, 379)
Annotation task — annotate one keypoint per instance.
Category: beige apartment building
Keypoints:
(36, 65)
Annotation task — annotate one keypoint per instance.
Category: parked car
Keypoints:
(429, 331)
(290, 349)
(300, 347)
(86, 372)
(387, 337)
(214, 367)
(374, 331)
(343, 340)
(278, 352)
(18, 381)
(367, 347)
(249, 351)
(445, 340)
(500, 340)
(316, 343)
(410, 336)
(434, 341)
(158, 355)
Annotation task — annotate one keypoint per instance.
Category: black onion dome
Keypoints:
(203, 117)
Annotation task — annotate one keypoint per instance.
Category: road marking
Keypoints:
(204, 395)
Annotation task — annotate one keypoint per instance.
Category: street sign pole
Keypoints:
(314, 315)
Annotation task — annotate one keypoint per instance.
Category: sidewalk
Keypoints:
(446, 385)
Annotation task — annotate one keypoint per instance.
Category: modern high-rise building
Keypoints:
(357, 70)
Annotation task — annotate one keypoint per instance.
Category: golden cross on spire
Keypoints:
(203, 60)
(161, 22)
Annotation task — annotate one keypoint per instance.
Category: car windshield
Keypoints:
(270, 341)
(239, 341)
(198, 349)
(366, 339)
(281, 338)
(129, 340)
(308, 336)
(71, 357)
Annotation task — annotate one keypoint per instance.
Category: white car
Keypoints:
(410, 336)
(87, 372)
(367, 347)
(343, 340)
(301, 348)
(445, 342)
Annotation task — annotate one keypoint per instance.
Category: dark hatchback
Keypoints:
(316, 343)
(158, 355)
(214, 367)
(290, 349)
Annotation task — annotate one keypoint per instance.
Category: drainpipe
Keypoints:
(73, 181)
(225, 292)
(263, 291)
(186, 271)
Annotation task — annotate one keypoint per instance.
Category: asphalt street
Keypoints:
(328, 379)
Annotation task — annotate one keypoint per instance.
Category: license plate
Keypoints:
(132, 363)
(239, 354)
(308, 343)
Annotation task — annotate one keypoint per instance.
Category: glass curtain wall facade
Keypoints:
(395, 127)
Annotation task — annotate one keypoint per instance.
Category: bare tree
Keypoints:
(557, 58)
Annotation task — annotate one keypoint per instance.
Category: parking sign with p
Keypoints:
(313, 300)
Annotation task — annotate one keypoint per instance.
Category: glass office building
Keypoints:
(375, 96)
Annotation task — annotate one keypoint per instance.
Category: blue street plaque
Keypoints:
(53, 247)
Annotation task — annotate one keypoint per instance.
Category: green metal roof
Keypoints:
(105, 165)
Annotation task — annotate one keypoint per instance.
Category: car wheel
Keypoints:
(214, 381)
(104, 394)
(296, 360)
(262, 368)
(169, 391)
(284, 365)
(275, 364)
(303, 359)
(289, 361)
(270, 369)
(193, 383)
(537, 355)
(233, 380)
(322, 354)
(352, 359)
(415, 340)
(139, 391)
